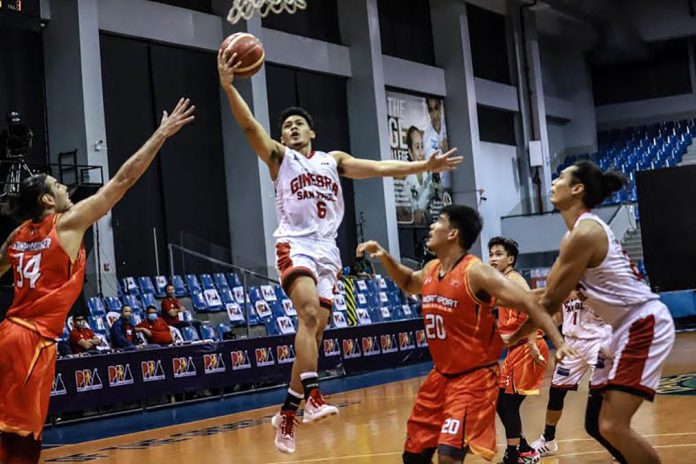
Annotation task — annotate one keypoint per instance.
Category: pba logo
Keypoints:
(421, 341)
(285, 354)
(388, 343)
(213, 363)
(58, 387)
(120, 375)
(264, 357)
(152, 371)
(183, 367)
(88, 380)
(351, 348)
(406, 341)
(240, 360)
(331, 347)
(370, 346)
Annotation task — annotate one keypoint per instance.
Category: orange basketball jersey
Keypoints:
(47, 281)
(459, 325)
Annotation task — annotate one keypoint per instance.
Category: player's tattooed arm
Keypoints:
(357, 168)
(406, 278)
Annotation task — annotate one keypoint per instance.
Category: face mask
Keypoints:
(152, 317)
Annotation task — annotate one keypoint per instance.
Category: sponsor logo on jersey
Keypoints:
(152, 370)
(264, 357)
(331, 347)
(351, 348)
(183, 367)
(88, 380)
(563, 371)
(421, 340)
(120, 375)
(388, 343)
(285, 354)
(406, 341)
(58, 387)
(240, 360)
(213, 363)
(370, 346)
(32, 246)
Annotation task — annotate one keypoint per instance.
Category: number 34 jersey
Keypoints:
(308, 195)
(46, 281)
(460, 327)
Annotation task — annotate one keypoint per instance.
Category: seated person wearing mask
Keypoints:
(82, 339)
(155, 329)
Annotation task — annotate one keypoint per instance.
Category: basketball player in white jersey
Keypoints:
(587, 333)
(592, 261)
(309, 204)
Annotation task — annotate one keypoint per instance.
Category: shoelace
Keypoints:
(317, 398)
(287, 425)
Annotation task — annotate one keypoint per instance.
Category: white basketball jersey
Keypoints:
(615, 287)
(309, 199)
(579, 321)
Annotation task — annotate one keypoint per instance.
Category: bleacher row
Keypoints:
(639, 148)
(376, 300)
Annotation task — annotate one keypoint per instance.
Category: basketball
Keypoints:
(249, 51)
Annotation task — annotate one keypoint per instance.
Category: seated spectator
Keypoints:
(171, 307)
(82, 339)
(123, 331)
(155, 328)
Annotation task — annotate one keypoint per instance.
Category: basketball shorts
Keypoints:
(520, 374)
(570, 371)
(317, 259)
(637, 352)
(456, 413)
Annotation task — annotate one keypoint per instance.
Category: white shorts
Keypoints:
(319, 260)
(637, 352)
(570, 371)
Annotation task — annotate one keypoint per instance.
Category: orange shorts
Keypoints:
(457, 412)
(27, 369)
(520, 374)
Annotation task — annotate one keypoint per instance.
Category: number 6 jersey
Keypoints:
(308, 194)
(46, 281)
(460, 327)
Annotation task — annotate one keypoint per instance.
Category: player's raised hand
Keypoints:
(536, 356)
(372, 248)
(442, 162)
(565, 351)
(181, 115)
(226, 67)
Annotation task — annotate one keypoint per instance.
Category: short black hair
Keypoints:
(79, 316)
(126, 306)
(511, 247)
(28, 204)
(598, 184)
(467, 221)
(295, 111)
(151, 307)
(409, 134)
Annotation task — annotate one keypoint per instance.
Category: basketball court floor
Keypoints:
(370, 427)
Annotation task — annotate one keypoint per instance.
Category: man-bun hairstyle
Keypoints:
(598, 185)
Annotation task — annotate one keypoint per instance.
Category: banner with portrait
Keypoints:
(417, 130)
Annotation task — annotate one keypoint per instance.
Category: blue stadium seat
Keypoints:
(130, 286)
(160, 284)
(99, 326)
(96, 306)
(190, 334)
(208, 332)
(198, 300)
(134, 302)
(146, 285)
(221, 281)
(113, 303)
(235, 314)
(148, 299)
(207, 281)
(234, 280)
(223, 329)
(179, 286)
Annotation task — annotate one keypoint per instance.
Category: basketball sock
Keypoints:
(292, 401)
(524, 446)
(550, 432)
(512, 455)
(310, 381)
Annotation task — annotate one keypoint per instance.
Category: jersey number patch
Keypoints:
(31, 270)
(435, 326)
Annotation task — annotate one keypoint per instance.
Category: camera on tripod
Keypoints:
(16, 138)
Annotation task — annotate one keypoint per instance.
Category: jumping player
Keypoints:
(309, 203)
(592, 261)
(587, 333)
(455, 408)
(48, 260)
(525, 364)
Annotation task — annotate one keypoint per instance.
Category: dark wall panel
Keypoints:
(130, 120)
(489, 47)
(192, 164)
(318, 21)
(668, 225)
(406, 31)
(495, 125)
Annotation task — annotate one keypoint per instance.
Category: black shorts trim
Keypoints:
(632, 390)
(452, 452)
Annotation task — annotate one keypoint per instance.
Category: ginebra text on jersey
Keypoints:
(308, 179)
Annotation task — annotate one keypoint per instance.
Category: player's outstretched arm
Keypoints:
(491, 281)
(85, 213)
(270, 151)
(406, 278)
(356, 168)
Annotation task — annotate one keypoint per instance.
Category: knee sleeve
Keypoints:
(424, 457)
(594, 406)
(513, 421)
(556, 398)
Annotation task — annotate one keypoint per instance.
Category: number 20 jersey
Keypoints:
(461, 329)
(309, 198)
